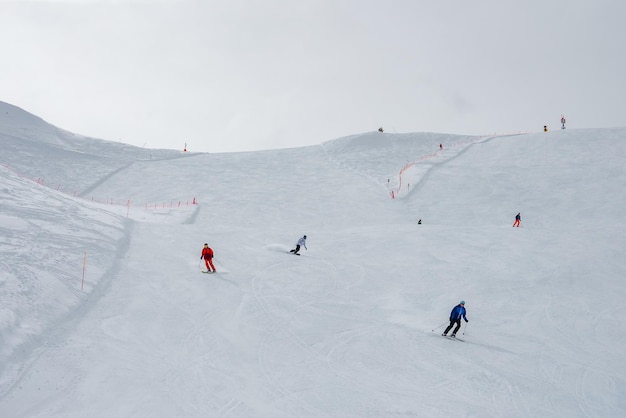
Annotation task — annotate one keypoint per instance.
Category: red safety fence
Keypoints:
(170, 204)
(396, 192)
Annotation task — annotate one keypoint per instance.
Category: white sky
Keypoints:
(247, 75)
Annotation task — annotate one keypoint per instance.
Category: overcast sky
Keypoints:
(248, 75)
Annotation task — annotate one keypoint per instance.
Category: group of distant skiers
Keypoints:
(545, 127)
(458, 312)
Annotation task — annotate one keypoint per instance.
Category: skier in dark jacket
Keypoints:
(518, 219)
(457, 313)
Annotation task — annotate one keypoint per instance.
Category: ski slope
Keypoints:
(105, 312)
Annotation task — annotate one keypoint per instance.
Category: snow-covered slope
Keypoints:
(345, 330)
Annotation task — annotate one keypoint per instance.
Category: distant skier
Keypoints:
(518, 219)
(457, 313)
(545, 128)
(381, 129)
(301, 243)
(207, 254)
(562, 122)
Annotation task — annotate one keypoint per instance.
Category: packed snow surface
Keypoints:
(105, 313)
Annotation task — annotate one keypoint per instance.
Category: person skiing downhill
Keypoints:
(518, 219)
(301, 243)
(457, 313)
(207, 254)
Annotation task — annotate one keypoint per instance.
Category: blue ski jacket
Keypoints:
(457, 313)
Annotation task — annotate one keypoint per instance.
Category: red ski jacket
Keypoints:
(207, 253)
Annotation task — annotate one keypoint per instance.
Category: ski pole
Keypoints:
(465, 329)
(445, 323)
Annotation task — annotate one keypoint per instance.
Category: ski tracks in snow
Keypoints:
(302, 298)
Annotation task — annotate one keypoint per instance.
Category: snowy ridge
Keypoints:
(44, 237)
(345, 329)
(381, 155)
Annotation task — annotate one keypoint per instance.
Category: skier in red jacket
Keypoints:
(207, 254)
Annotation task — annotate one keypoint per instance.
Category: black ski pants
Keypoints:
(295, 251)
(452, 322)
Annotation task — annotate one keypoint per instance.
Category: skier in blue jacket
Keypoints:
(457, 313)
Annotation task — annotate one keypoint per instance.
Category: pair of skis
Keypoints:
(453, 338)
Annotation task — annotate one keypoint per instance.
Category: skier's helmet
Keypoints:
(304, 237)
(462, 302)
